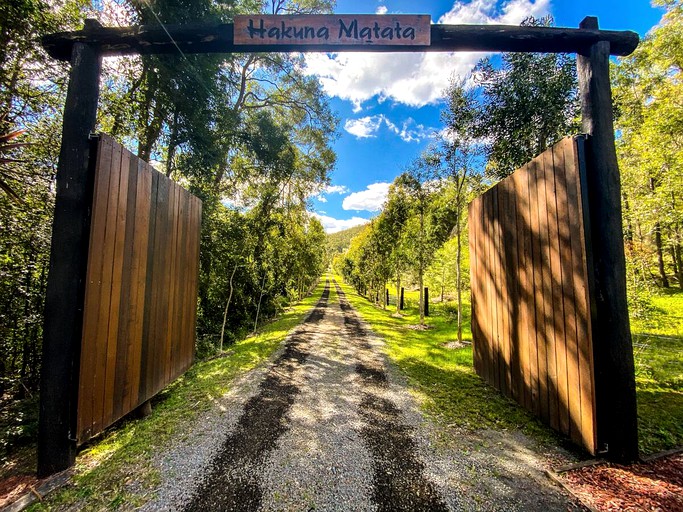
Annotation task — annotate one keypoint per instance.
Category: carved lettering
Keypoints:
(340, 29)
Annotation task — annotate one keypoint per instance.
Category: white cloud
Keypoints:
(336, 189)
(414, 79)
(382, 9)
(367, 127)
(371, 199)
(333, 225)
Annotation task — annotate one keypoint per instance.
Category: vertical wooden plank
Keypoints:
(101, 340)
(545, 217)
(172, 273)
(474, 282)
(187, 302)
(151, 285)
(579, 234)
(570, 251)
(487, 314)
(128, 287)
(556, 156)
(491, 291)
(504, 286)
(162, 259)
(143, 208)
(119, 221)
(520, 179)
(93, 288)
(183, 278)
(539, 300)
(513, 275)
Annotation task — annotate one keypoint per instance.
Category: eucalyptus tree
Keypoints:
(394, 216)
(527, 103)
(647, 93)
(422, 235)
(458, 158)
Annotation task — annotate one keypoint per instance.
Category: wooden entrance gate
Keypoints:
(141, 287)
(531, 303)
(71, 228)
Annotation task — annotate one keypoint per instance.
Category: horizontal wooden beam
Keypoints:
(218, 38)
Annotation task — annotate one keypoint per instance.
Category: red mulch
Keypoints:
(14, 487)
(655, 486)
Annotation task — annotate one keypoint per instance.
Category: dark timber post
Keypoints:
(613, 352)
(387, 297)
(401, 303)
(68, 261)
(426, 301)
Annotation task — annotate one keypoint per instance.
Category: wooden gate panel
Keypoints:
(531, 319)
(141, 290)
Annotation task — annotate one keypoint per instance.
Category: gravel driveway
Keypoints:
(329, 425)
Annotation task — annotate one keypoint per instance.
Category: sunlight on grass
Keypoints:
(122, 455)
(658, 350)
(443, 378)
(450, 391)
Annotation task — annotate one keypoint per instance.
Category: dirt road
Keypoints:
(330, 425)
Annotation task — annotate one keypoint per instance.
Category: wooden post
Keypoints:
(402, 302)
(426, 294)
(68, 261)
(617, 421)
(387, 296)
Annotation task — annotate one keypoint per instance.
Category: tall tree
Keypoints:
(648, 95)
(528, 103)
(459, 157)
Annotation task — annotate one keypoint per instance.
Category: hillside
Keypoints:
(338, 242)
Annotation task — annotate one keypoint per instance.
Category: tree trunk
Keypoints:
(172, 144)
(227, 305)
(678, 252)
(258, 308)
(399, 295)
(660, 255)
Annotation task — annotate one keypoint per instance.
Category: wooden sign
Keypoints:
(342, 29)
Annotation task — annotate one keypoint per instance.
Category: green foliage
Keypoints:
(527, 104)
(647, 93)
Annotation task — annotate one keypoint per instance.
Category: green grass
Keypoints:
(658, 350)
(443, 378)
(123, 454)
(450, 390)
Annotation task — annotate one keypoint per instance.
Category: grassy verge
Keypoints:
(451, 392)
(122, 456)
(658, 348)
(443, 378)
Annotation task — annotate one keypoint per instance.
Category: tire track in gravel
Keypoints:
(399, 482)
(233, 480)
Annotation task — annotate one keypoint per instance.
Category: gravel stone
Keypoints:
(330, 425)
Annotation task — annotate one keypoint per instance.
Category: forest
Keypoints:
(248, 134)
(251, 136)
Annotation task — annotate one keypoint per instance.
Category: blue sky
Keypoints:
(389, 104)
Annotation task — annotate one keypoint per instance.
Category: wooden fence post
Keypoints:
(617, 420)
(387, 297)
(68, 261)
(402, 302)
(426, 301)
